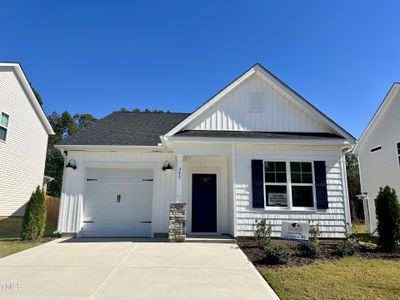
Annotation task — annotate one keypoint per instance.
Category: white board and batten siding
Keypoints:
(23, 154)
(74, 192)
(277, 111)
(332, 221)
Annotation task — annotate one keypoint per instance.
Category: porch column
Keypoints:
(178, 209)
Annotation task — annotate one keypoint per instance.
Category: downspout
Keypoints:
(346, 190)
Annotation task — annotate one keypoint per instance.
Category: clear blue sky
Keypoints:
(98, 56)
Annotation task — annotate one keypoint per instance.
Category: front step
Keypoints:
(210, 239)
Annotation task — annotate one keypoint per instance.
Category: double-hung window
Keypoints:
(398, 152)
(289, 184)
(3, 126)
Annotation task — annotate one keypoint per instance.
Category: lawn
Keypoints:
(348, 278)
(360, 231)
(10, 230)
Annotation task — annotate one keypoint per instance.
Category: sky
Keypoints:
(99, 56)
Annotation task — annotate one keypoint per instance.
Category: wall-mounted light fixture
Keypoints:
(166, 166)
(71, 164)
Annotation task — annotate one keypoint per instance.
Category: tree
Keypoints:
(138, 110)
(388, 215)
(37, 95)
(353, 182)
(34, 220)
(63, 125)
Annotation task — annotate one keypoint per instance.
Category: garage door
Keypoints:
(118, 202)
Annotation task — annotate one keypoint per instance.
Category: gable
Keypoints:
(383, 129)
(257, 106)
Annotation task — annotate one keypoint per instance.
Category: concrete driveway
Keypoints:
(115, 269)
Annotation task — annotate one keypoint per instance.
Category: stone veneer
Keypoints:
(177, 222)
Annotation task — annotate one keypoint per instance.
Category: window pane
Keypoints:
(307, 178)
(295, 167)
(4, 120)
(296, 177)
(398, 148)
(302, 196)
(280, 177)
(269, 166)
(276, 195)
(3, 133)
(306, 167)
(269, 177)
(280, 166)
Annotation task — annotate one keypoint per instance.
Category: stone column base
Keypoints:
(177, 222)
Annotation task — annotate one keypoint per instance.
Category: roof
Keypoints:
(257, 134)
(390, 96)
(126, 128)
(261, 70)
(31, 95)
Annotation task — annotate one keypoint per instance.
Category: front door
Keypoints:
(204, 202)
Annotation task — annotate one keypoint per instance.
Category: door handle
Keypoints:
(145, 222)
(118, 198)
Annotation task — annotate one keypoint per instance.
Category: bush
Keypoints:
(263, 233)
(388, 215)
(347, 247)
(310, 249)
(314, 233)
(277, 254)
(34, 220)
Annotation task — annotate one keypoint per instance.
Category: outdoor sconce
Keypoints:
(71, 164)
(166, 166)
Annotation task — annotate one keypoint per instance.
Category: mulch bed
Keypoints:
(256, 255)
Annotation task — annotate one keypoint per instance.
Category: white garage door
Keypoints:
(118, 202)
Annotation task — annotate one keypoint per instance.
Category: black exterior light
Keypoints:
(71, 164)
(166, 166)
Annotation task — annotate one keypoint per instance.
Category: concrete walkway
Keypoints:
(116, 269)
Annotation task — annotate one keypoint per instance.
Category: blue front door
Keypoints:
(204, 202)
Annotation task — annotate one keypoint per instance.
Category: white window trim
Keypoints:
(8, 125)
(289, 185)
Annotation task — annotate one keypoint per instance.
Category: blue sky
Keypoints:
(98, 56)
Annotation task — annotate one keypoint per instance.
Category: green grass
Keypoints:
(348, 278)
(360, 231)
(10, 231)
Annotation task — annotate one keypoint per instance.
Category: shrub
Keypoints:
(34, 220)
(314, 233)
(263, 233)
(388, 216)
(277, 254)
(310, 249)
(347, 247)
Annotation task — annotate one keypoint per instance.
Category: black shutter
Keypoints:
(320, 184)
(257, 178)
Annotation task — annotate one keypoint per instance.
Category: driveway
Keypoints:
(115, 269)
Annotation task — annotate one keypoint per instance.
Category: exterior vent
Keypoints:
(256, 103)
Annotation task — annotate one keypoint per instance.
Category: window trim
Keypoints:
(289, 185)
(6, 128)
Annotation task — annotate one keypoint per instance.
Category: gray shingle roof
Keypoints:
(257, 134)
(126, 128)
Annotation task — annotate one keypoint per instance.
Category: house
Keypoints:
(24, 130)
(378, 153)
(255, 150)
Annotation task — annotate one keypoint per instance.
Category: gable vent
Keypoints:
(256, 102)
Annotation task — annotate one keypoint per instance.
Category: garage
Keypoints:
(117, 202)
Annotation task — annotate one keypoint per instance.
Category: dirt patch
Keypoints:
(328, 252)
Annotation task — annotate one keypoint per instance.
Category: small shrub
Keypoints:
(278, 254)
(310, 249)
(314, 233)
(263, 233)
(388, 216)
(34, 220)
(347, 247)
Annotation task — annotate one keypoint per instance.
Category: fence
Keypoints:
(53, 206)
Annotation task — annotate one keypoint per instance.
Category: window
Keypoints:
(3, 126)
(302, 184)
(289, 184)
(398, 152)
(275, 183)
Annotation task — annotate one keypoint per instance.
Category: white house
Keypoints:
(24, 130)
(255, 150)
(379, 153)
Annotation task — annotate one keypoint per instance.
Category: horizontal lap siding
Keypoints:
(73, 192)
(332, 222)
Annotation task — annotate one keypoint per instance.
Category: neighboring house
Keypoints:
(24, 130)
(378, 153)
(255, 150)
